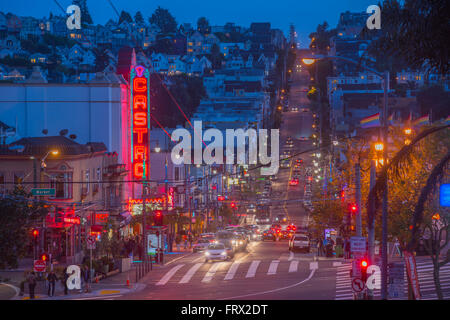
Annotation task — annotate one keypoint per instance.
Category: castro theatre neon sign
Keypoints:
(140, 121)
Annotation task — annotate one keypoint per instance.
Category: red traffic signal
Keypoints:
(158, 218)
(44, 257)
(364, 264)
(35, 233)
(353, 208)
(220, 198)
(233, 205)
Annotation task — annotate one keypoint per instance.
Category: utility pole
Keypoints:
(384, 224)
(144, 213)
(371, 225)
(358, 199)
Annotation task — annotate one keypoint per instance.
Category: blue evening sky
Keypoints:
(305, 15)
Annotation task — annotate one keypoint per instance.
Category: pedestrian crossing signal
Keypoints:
(158, 218)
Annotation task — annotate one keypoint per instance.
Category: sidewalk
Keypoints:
(111, 286)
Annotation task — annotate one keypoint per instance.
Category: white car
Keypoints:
(299, 242)
(201, 245)
(216, 251)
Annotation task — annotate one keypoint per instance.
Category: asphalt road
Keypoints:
(266, 271)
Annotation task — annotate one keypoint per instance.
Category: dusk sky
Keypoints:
(305, 15)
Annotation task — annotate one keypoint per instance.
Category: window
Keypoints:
(87, 180)
(62, 183)
(177, 174)
(98, 179)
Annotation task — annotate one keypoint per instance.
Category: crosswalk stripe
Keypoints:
(187, 277)
(169, 275)
(273, 267)
(293, 266)
(212, 271)
(232, 271)
(252, 270)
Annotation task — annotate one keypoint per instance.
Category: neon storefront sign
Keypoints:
(140, 121)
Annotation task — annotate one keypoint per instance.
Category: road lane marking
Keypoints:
(169, 275)
(273, 290)
(293, 266)
(232, 271)
(212, 271)
(337, 263)
(313, 265)
(187, 277)
(252, 270)
(176, 259)
(291, 256)
(273, 267)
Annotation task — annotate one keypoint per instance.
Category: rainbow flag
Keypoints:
(422, 120)
(371, 121)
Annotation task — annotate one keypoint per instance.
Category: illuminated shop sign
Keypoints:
(140, 121)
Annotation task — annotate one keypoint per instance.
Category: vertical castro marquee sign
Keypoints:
(140, 121)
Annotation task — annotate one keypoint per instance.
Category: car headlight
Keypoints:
(223, 253)
(240, 242)
(207, 253)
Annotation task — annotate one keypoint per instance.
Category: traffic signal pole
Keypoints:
(358, 199)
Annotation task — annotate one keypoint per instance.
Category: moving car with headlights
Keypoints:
(211, 237)
(226, 238)
(216, 251)
(201, 245)
(294, 109)
(299, 242)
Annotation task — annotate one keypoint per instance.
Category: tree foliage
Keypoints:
(139, 18)
(18, 215)
(125, 16)
(203, 25)
(418, 31)
(164, 20)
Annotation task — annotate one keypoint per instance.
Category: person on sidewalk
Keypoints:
(51, 278)
(347, 249)
(178, 241)
(64, 281)
(85, 274)
(185, 242)
(32, 283)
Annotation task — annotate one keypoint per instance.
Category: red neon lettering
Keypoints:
(138, 169)
(140, 84)
(140, 119)
(140, 101)
(139, 152)
(140, 134)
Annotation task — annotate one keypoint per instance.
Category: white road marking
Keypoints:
(273, 290)
(187, 277)
(273, 267)
(252, 269)
(232, 271)
(169, 275)
(293, 266)
(313, 265)
(212, 271)
(291, 256)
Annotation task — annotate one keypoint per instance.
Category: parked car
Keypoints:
(299, 242)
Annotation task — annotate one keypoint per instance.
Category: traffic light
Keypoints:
(364, 264)
(353, 208)
(233, 205)
(158, 218)
(44, 257)
(35, 233)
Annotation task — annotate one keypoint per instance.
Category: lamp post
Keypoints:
(384, 124)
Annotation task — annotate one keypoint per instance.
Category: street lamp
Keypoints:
(408, 131)
(379, 146)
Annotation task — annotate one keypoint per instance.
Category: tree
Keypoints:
(125, 16)
(139, 18)
(18, 215)
(216, 57)
(164, 20)
(85, 15)
(320, 39)
(203, 25)
(409, 30)
(101, 59)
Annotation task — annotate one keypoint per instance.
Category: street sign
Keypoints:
(90, 241)
(43, 192)
(444, 195)
(358, 285)
(358, 245)
(39, 265)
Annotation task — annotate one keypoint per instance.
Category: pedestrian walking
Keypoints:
(185, 242)
(31, 283)
(319, 247)
(347, 249)
(64, 281)
(51, 278)
(190, 240)
(86, 276)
